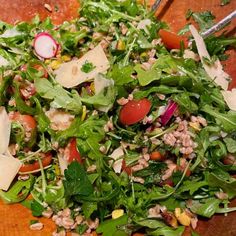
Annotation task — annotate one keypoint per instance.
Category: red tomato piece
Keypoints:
(172, 40)
(27, 121)
(46, 160)
(134, 111)
(74, 154)
(126, 168)
(168, 182)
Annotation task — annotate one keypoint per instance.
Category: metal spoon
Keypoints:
(218, 26)
(156, 5)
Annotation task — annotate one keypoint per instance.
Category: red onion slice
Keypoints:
(169, 112)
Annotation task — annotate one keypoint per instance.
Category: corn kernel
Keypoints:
(177, 212)
(66, 58)
(120, 45)
(195, 125)
(92, 87)
(117, 213)
(83, 113)
(55, 64)
(183, 218)
(47, 61)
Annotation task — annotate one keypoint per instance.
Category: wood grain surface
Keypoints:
(14, 219)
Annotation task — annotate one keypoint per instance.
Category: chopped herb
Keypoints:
(87, 67)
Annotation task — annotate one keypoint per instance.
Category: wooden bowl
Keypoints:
(14, 219)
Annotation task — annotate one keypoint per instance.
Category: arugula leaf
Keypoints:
(227, 185)
(110, 227)
(204, 19)
(36, 208)
(168, 231)
(160, 89)
(122, 74)
(166, 63)
(18, 192)
(230, 144)
(191, 186)
(76, 181)
(69, 40)
(227, 120)
(88, 208)
(150, 223)
(59, 97)
(207, 208)
(55, 197)
(145, 77)
(6, 81)
(185, 102)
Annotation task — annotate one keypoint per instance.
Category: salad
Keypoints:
(113, 125)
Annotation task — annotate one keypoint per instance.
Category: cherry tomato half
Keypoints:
(46, 160)
(134, 111)
(74, 154)
(27, 121)
(172, 40)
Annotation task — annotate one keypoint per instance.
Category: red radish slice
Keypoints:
(45, 45)
(169, 112)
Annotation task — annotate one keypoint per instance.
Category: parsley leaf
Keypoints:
(87, 67)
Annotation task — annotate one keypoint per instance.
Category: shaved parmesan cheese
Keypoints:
(10, 33)
(9, 167)
(144, 24)
(5, 128)
(100, 83)
(63, 164)
(215, 71)
(3, 61)
(116, 155)
(69, 74)
(230, 98)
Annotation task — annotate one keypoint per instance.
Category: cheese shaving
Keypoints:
(69, 74)
(230, 98)
(215, 71)
(5, 127)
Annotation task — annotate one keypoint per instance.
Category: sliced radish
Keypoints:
(45, 45)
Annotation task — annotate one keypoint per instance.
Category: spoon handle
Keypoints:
(156, 5)
(219, 25)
